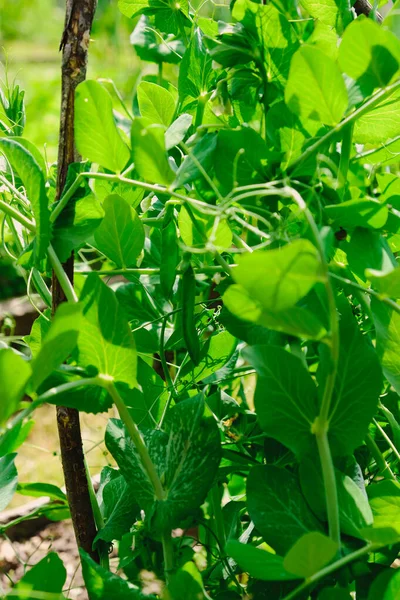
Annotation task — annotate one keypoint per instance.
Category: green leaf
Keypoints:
(296, 321)
(105, 340)
(196, 75)
(119, 510)
(315, 88)
(335, 13)
(369, 250)
(309, 554)
(279, 278)
(358, 384)
(104, 585)
(14, 436)
(385, 283)
(258, 563)
(8, 479)
(186, 583)
(201, 154)
(33, 180)
(386, 586)
(148, 152)
(176, 132)
(285, 398)
(38, 490)
(354, 511)
(240, 158)
(170, 16)
(358, 213)
(96, 135)
(150, 47)
(47, 576)
(369, 50)
(58, 343)
(379, 124)
(156, 103)
(334, 594)
(384, 498)
(186, 457)
(12, 388)
(121, 235)
(147, 401)
(277, 507)
(387, 326)
(204, 231)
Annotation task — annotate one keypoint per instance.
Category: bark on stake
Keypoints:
(74, 46)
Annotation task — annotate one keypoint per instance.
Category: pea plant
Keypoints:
(234, 231)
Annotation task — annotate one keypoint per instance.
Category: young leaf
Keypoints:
(176, 132)
(277, 507)
(315, 88)
(58, 343)
(47, 576)
(285, 397)
(12, 388)
(309, 554)
(8, 479)
(195, 74)
(258, 563)
(96, 134)
(148, 152)
(33, 180)
(121, 235)
(156, 103)
(105, 340)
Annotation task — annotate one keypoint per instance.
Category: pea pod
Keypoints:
(169, 253)
(190, 334)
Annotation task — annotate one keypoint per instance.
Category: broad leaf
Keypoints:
(315, 88)
(149, 46)
(96, 134)
(156, 103)
(8, 479)
(176, 132)
(198, 161)
(33, 180)
(384, 498)
(258, 563)
(358, 213)
(285, 398)
(148, 152)
(203, 231)
(358, 384)
(121, 235)
(104, 585)
(47, 576)
(186, 457)
(12, 387)
(169, 16)
(105, 340)
(58, 343)
(309, 554)
(278, 508)
(387, 325)
(186, 583)
(278, 279)
(335, 13)
(381, 123)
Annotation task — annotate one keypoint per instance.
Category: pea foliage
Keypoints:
(236, 231)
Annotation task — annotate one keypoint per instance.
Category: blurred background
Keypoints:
(30, 33)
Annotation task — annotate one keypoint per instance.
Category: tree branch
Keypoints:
(74, 46)
(363, 7)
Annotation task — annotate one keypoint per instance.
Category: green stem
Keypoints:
(384, 299)
(167, 374)
(168, 552)
(65, 387)
(329, 569)
(98, 518)
(155, 270)
(359, 112)
(15, 214)
(201, 104)
(328, 473)
(381, 463)
(387, 439)
(345, 157)
(62, 277)
(215, 498)
(136, 436)
(321, 424)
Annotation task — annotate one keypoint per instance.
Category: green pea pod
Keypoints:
(169, 253)
(190, 334)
